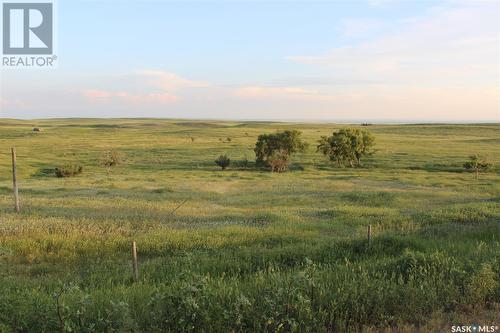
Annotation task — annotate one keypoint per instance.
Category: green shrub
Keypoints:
(69, 170)
(223, 161)
(482, 285)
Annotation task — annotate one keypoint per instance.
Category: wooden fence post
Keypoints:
(14, 180)
(369, 235)
(134, 262)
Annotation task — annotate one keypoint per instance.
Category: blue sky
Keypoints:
(290, 60)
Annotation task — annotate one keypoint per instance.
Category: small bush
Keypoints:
(223, 161)
(477, 164)
(69, 170)
(482, 285)
(111, 158)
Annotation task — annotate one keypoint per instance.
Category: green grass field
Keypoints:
(249, 250)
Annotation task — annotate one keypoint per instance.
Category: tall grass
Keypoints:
(247, 251)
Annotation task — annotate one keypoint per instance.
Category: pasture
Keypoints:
(244, 249)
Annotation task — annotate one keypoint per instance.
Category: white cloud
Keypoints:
(452, 46)
(281, 92)
(145, 86)
(127, 97)
(169, 81)
(12, 103)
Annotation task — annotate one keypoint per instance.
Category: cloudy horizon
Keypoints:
(364, 61)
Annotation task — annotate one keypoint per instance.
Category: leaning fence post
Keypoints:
(369, 235)
(14, 180)
(134, 262)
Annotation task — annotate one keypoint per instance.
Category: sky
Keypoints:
(362, 61)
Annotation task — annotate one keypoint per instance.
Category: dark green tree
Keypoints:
(278, 147)
(223, 161)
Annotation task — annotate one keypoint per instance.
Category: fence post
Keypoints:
(134, 262)
(14, 180)
(369, 235)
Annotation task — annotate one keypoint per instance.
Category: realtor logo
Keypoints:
(27, 28)
(28, 34)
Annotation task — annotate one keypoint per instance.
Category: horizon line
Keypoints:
(275, 120)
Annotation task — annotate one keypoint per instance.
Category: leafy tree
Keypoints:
(347, 146)
(477, 164)
(365, 146)
(336, 148)
(278, 148)
(223, 161)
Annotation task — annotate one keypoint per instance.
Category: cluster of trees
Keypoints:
(347, 147)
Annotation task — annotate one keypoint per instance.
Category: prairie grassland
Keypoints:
(249, 250)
